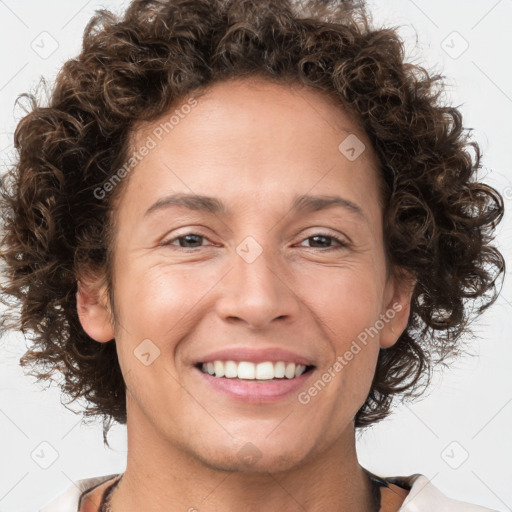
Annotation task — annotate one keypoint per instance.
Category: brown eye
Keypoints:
(323, 238)
(186, 241)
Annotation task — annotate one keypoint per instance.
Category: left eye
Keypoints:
(194, 238)
(341, 243)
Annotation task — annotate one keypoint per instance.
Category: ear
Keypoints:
(94, 310)
(397, 306)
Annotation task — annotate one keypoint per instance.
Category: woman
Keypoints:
(243, 229)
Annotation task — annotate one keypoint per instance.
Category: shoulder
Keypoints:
(424, 496)
(70, 498)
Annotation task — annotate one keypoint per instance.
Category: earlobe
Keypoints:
(397, 309)
(93, 311)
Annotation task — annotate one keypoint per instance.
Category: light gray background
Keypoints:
(468, 412)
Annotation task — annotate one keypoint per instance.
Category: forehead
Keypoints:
(256, 104)
(245, 139)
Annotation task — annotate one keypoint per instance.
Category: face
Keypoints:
(265, 270)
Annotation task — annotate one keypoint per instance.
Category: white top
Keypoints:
(423, 496)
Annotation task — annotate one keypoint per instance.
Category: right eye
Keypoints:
(189, 238)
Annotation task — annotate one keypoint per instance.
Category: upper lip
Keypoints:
(260, 355)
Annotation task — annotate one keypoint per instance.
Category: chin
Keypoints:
(264, 465)
(245, 456)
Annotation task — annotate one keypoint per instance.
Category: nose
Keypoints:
(257, 292)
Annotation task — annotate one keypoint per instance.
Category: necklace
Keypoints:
(377, 483)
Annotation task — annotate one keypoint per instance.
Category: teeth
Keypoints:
(230, 369)
(264, 371)
(246, 370)
(219, 368)
(279, 370)
(251, 371)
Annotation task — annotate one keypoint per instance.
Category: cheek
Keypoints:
(348, 306)
(159, 301)
(347, 300)
(156, 308)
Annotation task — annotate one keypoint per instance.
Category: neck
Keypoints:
(159, 474)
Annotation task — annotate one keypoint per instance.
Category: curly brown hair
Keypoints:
(438, 219)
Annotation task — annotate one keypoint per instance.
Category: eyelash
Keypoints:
(342, 243)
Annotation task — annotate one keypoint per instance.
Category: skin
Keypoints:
(254, 145)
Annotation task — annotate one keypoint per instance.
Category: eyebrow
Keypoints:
(301, 204)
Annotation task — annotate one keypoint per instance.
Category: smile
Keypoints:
(261, 383)
(248, 370)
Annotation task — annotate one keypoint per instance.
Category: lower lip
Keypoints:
(248, 391)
